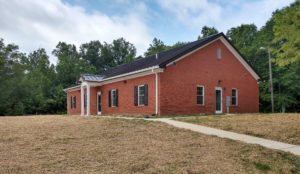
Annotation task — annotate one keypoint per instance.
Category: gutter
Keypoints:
(131, 73)
(71, 88)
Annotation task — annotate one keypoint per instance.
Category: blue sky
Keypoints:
(34, 24)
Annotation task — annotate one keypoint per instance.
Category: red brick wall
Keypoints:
(126, 96)
(178, 83)
(77, 110)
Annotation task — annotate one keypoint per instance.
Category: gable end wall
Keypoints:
(178, 83)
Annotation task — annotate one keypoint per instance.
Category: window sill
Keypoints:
(234, 106)
(202, 105)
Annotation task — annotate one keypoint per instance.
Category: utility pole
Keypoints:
(270, 75)
(271, 80)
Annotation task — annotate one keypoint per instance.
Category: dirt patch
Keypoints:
(60, 144)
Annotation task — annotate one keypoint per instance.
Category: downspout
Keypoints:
(156, 92)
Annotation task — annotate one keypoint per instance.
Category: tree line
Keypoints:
(30, 84)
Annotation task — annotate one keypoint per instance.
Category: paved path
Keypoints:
(232, 135)
(294, 149)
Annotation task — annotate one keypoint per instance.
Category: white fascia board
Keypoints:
(126, 76)
(131, 75)
(239, 58)
(89, 83)
(73, 88)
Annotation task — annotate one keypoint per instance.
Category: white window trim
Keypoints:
(203, 95)
(139, 95)
(112, 98)
(236, 97)
(220, 89)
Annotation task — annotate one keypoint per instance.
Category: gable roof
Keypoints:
(166, 57)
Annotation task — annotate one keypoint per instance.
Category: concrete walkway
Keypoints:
(232, 135)
(294, 149)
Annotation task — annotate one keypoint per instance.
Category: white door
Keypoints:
(99, 103)
(218, 94)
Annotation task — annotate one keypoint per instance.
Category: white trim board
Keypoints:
(219, 111)
(74, 88)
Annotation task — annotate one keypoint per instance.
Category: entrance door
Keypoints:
(99, 103)
(218, 100)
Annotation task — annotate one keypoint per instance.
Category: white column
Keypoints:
(156, 93)
(82, 100)
(88, 104)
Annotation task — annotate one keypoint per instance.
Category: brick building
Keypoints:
(205, 76)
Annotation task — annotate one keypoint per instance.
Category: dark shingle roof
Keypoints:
(163, 58)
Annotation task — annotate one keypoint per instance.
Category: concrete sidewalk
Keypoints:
(232, 135)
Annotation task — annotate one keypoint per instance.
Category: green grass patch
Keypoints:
(262, 167)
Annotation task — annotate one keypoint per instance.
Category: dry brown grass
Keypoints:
(281, 127)
(64, 144)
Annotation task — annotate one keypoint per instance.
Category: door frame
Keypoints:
(99, 94)
(219, 111)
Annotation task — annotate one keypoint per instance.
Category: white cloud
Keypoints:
(193, 13)
(222, 14)
(32, 24)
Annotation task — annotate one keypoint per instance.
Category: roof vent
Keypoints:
(156, 56)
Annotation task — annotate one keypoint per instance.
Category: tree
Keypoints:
(11, 76)
(243, 38)
(70, 65)
(156, 47)
(207, 31)
(39, 82)
(104, 56)
(92, 52)
(287, 35)
(122, 51)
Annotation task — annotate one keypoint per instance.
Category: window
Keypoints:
(219, 53)
(234, 97)
(74, 102)
(141, 95)
(113, 98)
(200, 95)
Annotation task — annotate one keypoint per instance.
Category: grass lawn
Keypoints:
(281, 127)
(72, 144)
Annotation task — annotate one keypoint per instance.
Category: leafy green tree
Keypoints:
(122, 51)
(242, 37)
(155, 47)
(104, 56)
(287, 35)
(70, 65)
(11, 74)
(207, 31)
(39, 81)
